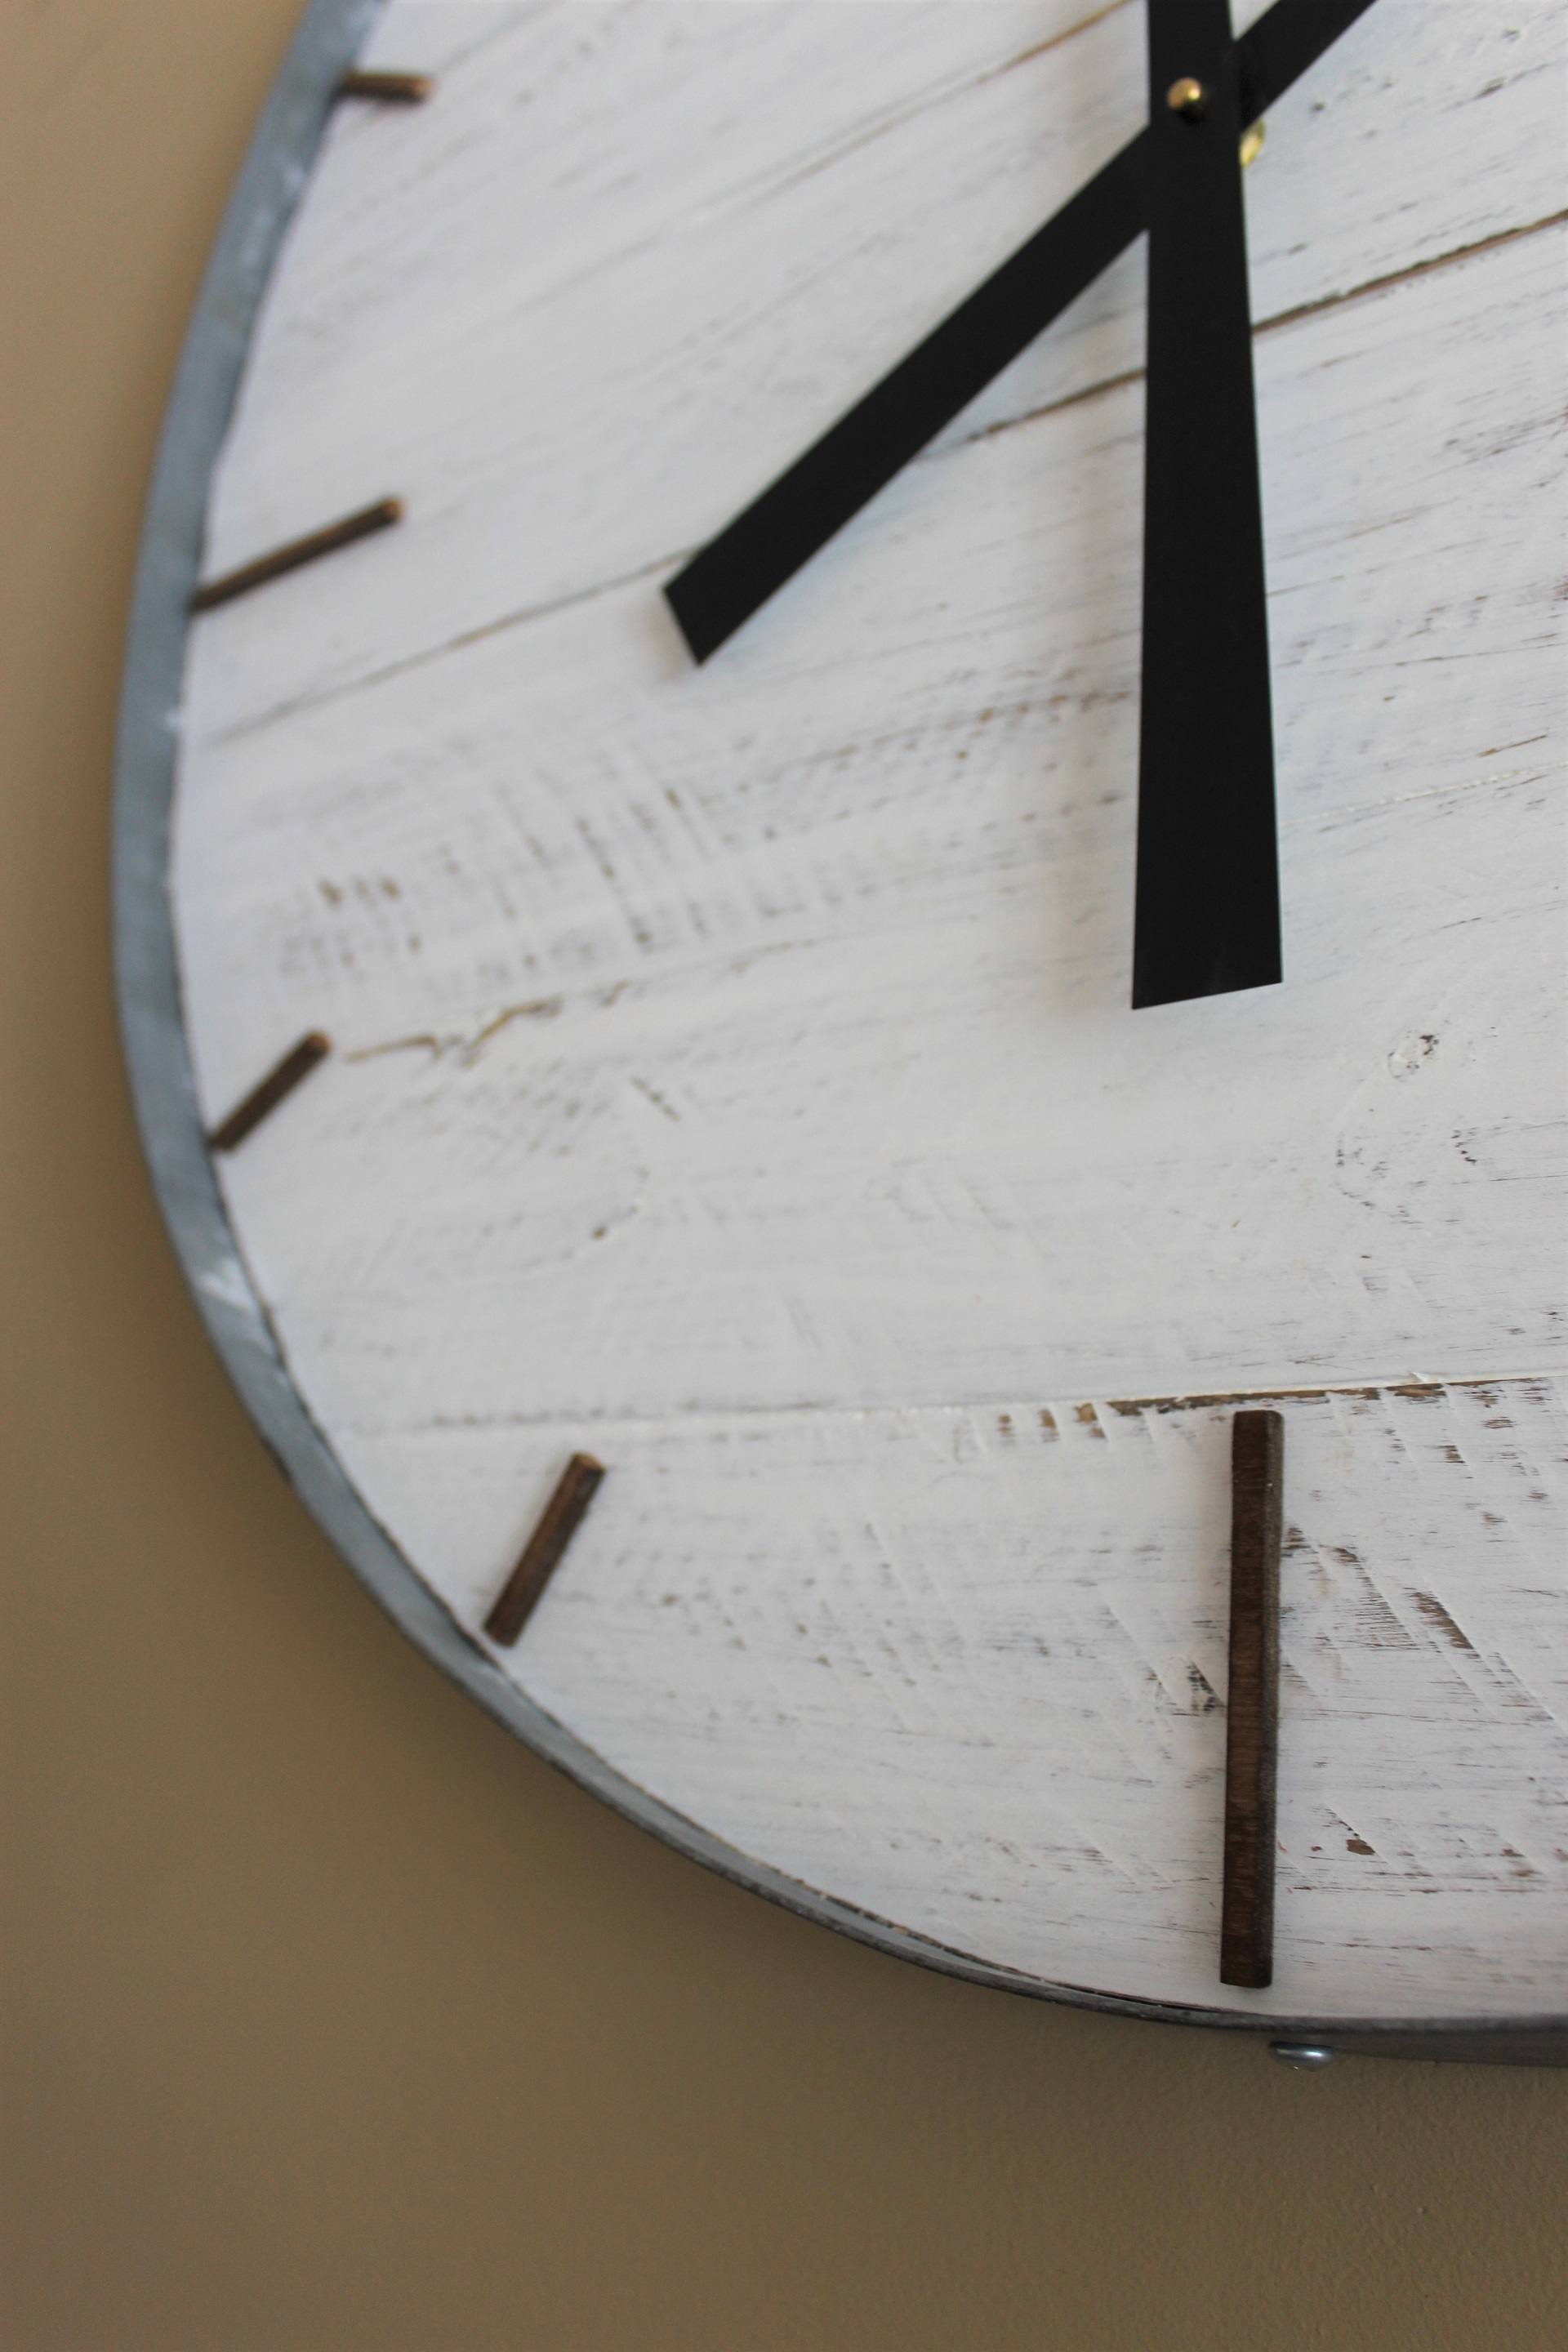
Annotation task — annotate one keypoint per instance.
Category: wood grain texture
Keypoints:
(966, 1668)
(1252, 1699)
(735, 1070)
(744, 287)
(821, 962)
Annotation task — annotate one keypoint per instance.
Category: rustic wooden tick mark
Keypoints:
(299, 551)
(561, 1517)
(297, 1063)
(390, 89)
(1247, 1919)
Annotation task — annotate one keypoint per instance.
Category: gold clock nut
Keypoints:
(1188, 96)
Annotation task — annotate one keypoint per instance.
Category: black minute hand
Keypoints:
(1208, 890)
(724, 584)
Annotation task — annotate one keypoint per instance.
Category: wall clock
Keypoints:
(839, 915)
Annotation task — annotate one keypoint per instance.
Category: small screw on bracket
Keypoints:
(1188, 98)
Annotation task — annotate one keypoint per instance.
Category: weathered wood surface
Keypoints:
(967, 1670)
(768, 1024)
(654, 250)
(734, 1071)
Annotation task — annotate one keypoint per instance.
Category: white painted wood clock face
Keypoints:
(733, 1075)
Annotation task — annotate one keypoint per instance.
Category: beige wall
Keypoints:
(332, 2019)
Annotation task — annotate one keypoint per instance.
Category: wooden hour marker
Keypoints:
(563, 1516)
(297, 1063)
(299, 551)
(1252, 1721)
(390, 89)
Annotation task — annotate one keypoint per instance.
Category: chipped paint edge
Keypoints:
(271, 183)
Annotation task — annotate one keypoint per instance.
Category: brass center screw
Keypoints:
(1188, 98)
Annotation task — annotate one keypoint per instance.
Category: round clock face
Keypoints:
(795, 1030)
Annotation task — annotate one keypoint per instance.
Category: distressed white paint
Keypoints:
(735, 1069)
(654, 251)
(968, 1668)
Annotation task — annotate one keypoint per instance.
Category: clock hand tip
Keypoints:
(697, 631)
